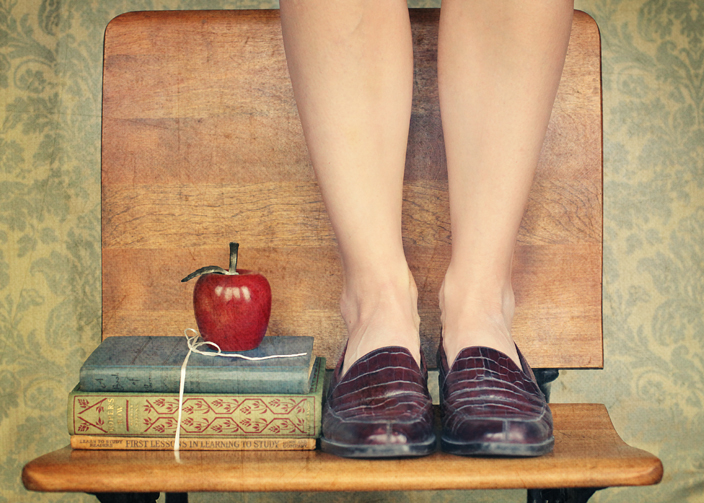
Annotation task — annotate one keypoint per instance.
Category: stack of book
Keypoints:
(128, 397)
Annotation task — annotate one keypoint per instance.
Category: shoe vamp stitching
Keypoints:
(505, 409)
(347, 389)
(383, 401)
(460, 415)
(493, 394)
(407, 411)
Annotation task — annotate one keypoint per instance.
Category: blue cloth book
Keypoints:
(153, 365)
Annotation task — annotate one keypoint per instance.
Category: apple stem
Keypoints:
(234, 247)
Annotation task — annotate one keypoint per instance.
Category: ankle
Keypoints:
(380, 311)
(363, 295)
(491, 296)
(477, 314)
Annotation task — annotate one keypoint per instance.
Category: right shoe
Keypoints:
(491, 407)
(380, 408)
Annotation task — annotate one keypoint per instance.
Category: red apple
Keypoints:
(232, 307)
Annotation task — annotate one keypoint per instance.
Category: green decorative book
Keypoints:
(203, 414)
(152, 364)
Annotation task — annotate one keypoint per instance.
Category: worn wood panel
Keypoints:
(588, 453)
(202, 145)
(228, 69)
(291, 213)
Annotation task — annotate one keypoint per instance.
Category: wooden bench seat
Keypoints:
(588, 453)
(202, 145)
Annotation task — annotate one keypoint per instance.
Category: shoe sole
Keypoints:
(378, 451)
(497, 448)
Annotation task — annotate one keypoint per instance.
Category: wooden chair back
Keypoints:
(202, 145)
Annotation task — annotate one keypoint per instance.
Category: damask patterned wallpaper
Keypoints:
(653, 381)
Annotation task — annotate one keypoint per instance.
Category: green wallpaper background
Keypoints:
(653, 381)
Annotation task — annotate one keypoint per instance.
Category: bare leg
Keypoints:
(499, 65)
(351, 64)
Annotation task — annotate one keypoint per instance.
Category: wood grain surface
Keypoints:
(202, 145)
(588, 453)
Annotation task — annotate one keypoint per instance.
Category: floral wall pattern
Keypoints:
(653, 380)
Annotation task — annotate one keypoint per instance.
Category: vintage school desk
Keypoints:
(202, 145)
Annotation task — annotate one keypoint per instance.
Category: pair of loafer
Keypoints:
(381, 407)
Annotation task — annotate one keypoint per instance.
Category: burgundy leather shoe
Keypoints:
(490, 407)
(380, 408)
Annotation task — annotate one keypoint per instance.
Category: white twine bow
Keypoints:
(193, 347)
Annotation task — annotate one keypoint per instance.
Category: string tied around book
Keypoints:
(194, 344)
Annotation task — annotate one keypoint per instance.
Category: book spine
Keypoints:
(203, 415)
(97, 442)
(198, 380)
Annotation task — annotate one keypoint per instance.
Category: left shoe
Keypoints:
(380, 407)
(490, 407)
